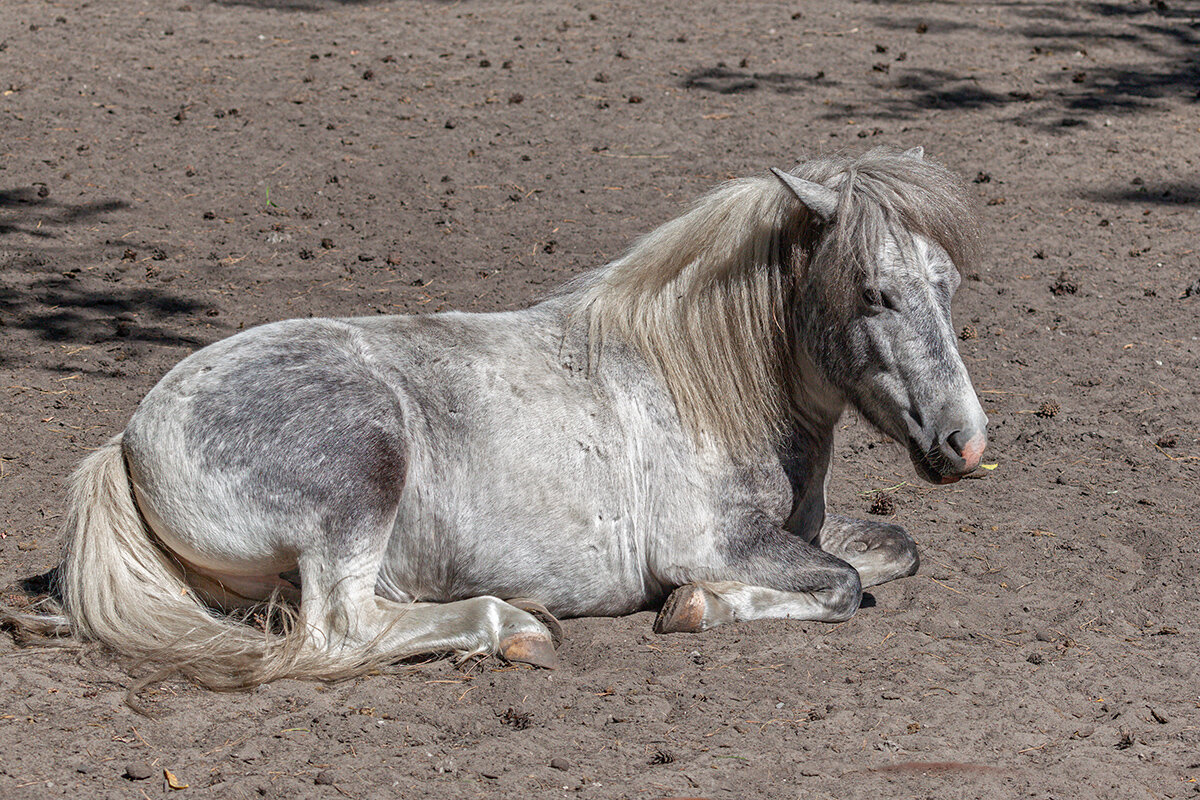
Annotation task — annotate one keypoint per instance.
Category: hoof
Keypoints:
(529, 648)
(541, 614)
(683, 612)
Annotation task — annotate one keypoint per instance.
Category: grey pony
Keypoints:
(659, 429)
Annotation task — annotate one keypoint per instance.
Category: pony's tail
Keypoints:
(117, 586)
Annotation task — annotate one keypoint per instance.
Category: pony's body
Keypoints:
(448, 483)
(518, 472)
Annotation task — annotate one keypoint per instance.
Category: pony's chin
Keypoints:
(928, 471)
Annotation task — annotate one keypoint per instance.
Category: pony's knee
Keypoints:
(844, 594)
(905, 556)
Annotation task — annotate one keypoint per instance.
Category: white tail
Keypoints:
(120, 588)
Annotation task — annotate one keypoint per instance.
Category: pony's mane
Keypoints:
(708, 297)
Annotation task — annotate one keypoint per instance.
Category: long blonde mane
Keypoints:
(708, 298)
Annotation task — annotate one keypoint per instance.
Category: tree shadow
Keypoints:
(42, 291)
(28, 210)
(722, 80)
(1166, 33)
(1174, 193)
(308, 5)
(62, 309)
(1154, 8)
(938, 89)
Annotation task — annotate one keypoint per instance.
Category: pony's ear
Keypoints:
(817, 198)
(917, 152)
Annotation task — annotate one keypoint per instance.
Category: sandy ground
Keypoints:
(173, 172)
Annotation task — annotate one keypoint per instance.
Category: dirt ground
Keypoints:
(173, 172)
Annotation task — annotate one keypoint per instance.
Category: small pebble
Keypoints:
(138, 771)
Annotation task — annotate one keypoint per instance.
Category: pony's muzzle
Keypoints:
(949, 446)
(961, 452)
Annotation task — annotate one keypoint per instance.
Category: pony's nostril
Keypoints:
(964, 447)
(957, 441)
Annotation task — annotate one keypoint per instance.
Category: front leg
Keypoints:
(880, 551)
(759, 572)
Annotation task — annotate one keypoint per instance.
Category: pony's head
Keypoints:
(876, 262)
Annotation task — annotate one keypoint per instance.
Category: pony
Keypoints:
(659, 429)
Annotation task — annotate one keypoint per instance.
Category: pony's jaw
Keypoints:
(941, 453)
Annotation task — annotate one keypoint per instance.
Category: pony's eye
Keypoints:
(874, 298)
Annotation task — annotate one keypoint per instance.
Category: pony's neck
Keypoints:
(817, 405)
(807, 451)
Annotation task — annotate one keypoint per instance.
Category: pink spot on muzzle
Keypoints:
(972, 452)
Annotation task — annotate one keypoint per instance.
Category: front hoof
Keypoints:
(541, 614)
(530, 648)
(684, 611)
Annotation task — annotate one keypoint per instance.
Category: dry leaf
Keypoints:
(172, 781)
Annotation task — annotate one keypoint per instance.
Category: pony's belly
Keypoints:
(570, 582)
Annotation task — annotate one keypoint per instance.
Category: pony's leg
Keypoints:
(760, 572)
(344, 616)
(700, 606)
(880, 551)
(234, 592)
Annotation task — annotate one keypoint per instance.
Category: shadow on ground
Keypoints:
(1170, 33)
(1055, 98)
(722, 80)
(29, 210)
(308, 5)
(41, 289)
(1170, 193)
